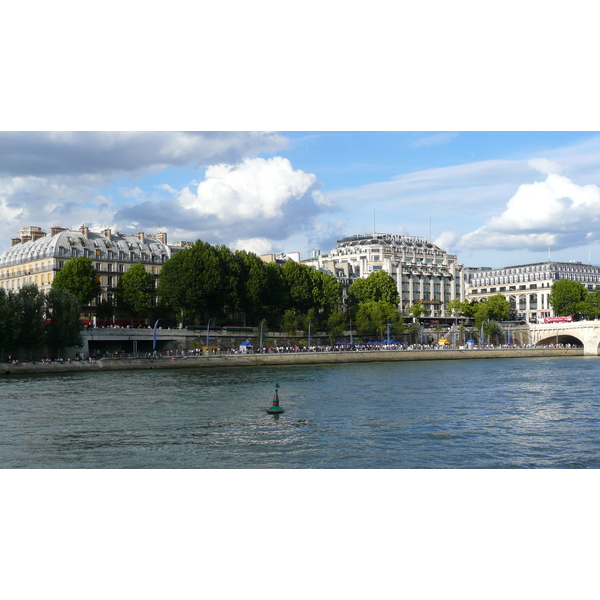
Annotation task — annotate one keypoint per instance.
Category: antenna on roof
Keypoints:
(430, 228)
(374, 225)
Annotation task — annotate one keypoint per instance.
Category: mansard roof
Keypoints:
(68, 243)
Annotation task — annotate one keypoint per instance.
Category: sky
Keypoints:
(493, 198)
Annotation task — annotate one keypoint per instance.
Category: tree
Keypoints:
(373, 317)
(30, 318)
(276, 296)
(9, 326)
(79, 277)
(64, 329)
(379, 286)
(458, 308)
(136, 290)
(336, 325)
(493, 332)
(494, 308)
(191, 282)
(289, 322)
(417, 310)
(327, 293)
(566, 297)
(299, 281)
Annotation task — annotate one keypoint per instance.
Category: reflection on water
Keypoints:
(503, 413)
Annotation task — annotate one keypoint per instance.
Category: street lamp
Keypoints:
(261, 333)
(309, 322)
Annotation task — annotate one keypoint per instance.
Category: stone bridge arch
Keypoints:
(586, 333)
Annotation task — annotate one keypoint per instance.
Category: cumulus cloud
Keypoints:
(255, 198)
(253, 189)
(555, 212)
(446, 239)
(68, 178)
(257, 245)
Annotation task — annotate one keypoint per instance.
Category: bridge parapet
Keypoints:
(586, 332)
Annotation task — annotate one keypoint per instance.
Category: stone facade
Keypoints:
(35, 257)
(528, 287)
(423, 272)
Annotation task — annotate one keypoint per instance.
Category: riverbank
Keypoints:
(289, 359)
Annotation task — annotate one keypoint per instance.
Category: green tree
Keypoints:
(327, 293)
(494, 308)
(299, 281)
(248, 283)
(418, 310)
(9, 326)
(30, 318)
(64, 327)
(493, 332)
(373, 316)
(136, 290)
(379, 286)
(566, 297)
(289, 322)
(336, 325)
(458, 308)
(191, 282)
(79, 277)
(276, 297)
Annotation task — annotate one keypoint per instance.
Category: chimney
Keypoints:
(161, 236)
(25, 238)
(16, 241)
(37, 234)
(141, 236)
(107, 233)
(85, 231)
(54, 230)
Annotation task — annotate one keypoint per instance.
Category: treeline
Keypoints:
(31, 320)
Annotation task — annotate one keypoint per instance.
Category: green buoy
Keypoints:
(275, 409)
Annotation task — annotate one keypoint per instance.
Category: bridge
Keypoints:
(586, 333)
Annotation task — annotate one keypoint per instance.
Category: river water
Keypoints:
(465, 414)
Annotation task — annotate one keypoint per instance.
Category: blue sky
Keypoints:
(494, 198)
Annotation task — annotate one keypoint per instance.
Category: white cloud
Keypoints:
(555, 212)
(257, 245)
(446, 239)
(435, 139)
(254, 189)
(137, 193)
(545, 166)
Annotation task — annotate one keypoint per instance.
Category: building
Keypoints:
(36, 257)
(280, 258)
(423, 272)
(527, 287)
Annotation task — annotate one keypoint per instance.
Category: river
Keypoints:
(462, 414)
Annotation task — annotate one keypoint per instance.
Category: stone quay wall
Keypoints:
(287, 359)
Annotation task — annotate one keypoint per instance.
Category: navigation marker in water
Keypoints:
(275, 409)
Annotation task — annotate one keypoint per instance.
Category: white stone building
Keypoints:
(527, 287)
(36, 257)
(423, 272)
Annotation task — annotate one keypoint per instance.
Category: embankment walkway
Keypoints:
(288, 359)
